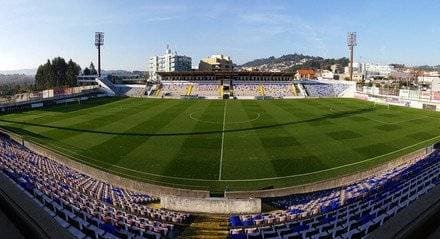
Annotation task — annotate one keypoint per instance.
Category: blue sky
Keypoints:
(31, 31)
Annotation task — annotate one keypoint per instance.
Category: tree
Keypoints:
(50, 75)
(92, 69)
(60, 67)
(40, 76)
(86, 71)
(45, 76)
(56, 73)
(72, 73)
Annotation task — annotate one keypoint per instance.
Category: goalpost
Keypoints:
(377, 103)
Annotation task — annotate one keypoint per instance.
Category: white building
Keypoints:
(430, 78)
(168, 63)
(379, 70)
(326, 74)
(216, 63)
(369, 70)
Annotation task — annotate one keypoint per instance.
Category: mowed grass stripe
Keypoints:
(108, 114)
(105, 158)
(153, 147)
(292, 157)
(30, 115)
(54, 118)
(117, 146)
(83, 141)
(168, 131)
(57, 112)
(136, 141)
(197, 155)
(114, 125)
(77, 125)
(253, 159)
(337, 133)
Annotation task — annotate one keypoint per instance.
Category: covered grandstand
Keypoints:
(246, 85)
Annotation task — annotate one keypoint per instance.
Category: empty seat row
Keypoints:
(352, 217)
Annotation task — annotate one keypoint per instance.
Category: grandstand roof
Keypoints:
(225, 73)
(306, 71)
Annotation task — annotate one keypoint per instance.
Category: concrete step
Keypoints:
(206, 226)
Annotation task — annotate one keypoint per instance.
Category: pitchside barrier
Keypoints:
(264, 98)
(47, 94)
(381, 99)
(75, 94)
(427, 103)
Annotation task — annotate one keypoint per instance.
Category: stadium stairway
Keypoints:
(303, 90)
(294, 90)
(189, 90)
(157, 93)
(209, 227)
(107, 85)
(298, 89)
(260, 90)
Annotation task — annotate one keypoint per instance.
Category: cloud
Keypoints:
(158, 19)
(272, 25)
(164, 8)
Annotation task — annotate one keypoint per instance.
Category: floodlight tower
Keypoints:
(351, 43)
(99, 41)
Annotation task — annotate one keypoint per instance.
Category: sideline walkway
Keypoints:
(8, 229)
(35, 220)
(418, 220)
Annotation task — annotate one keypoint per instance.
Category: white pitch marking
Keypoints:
(223, 141)
(191, 116)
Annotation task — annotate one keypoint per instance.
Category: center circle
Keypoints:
(193, 116)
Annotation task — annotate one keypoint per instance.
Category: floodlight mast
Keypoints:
(351, 43)
(99, 41)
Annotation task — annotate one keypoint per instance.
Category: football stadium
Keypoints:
(287, 139)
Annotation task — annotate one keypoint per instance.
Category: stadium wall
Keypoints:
(211, 205)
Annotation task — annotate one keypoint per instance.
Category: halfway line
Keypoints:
(223, 140)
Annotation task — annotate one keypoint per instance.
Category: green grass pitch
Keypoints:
(227, 145)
